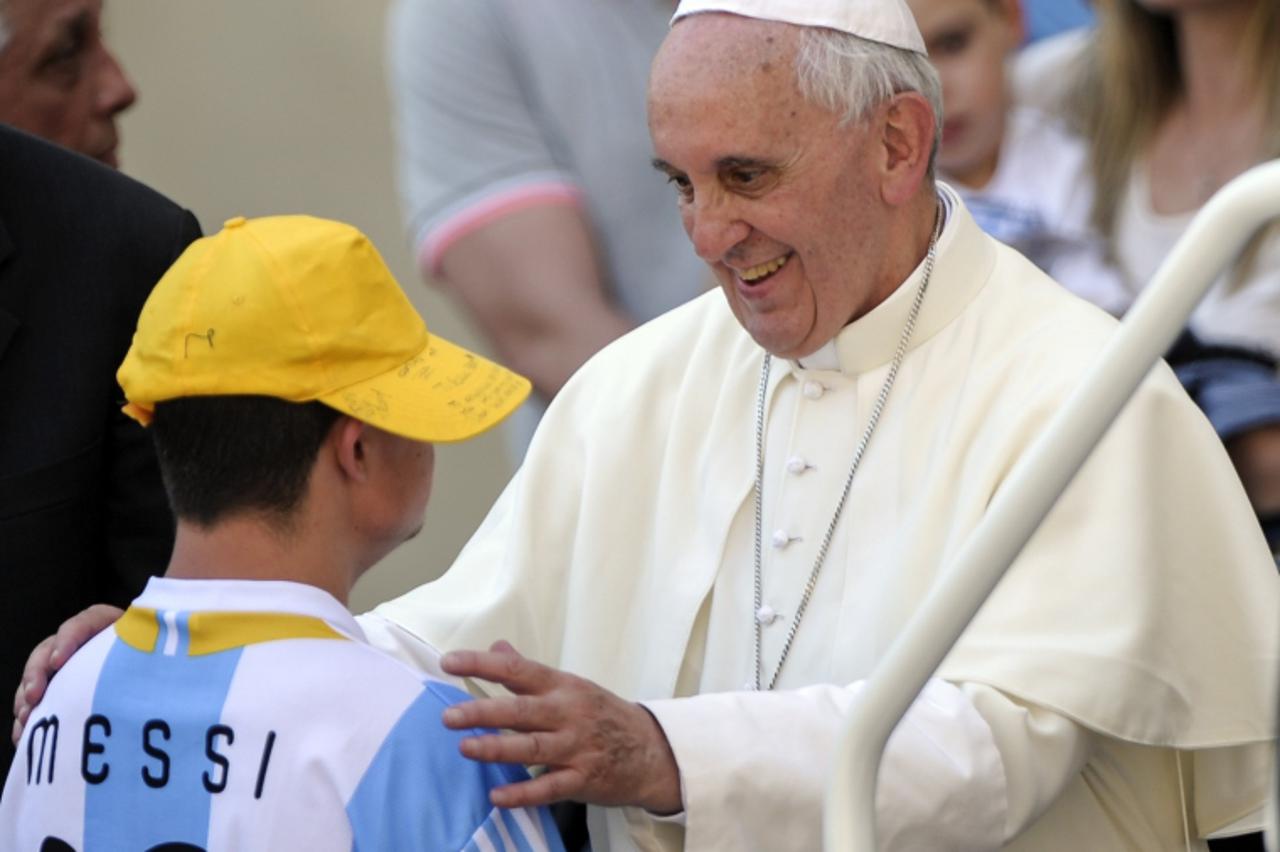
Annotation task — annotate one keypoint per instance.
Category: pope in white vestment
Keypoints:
(1115, 691)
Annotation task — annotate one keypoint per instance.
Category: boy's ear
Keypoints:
(348, 440)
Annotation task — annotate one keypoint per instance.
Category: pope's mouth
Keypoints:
(764, 271)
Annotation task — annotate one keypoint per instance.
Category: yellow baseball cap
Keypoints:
(304, 309)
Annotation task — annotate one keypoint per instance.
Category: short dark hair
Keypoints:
(222, 455)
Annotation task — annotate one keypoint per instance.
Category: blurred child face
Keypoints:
(968, 41)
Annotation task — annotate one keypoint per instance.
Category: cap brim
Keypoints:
(443, 394)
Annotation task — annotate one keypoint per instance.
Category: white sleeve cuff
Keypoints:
(1041, 751)
(754, 767)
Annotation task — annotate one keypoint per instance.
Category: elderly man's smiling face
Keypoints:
(780, 200)
(58, 80)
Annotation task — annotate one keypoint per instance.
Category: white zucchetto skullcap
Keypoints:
(886, 21)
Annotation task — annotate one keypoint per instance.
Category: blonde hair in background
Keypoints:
(1128, 81)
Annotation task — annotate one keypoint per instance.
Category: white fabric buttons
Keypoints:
(766, 614)
(797, 465)
(781, 539)
(813, 390)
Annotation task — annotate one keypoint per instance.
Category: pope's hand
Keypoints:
(597, 747)
(50, 654)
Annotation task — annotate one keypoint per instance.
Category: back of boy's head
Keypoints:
(222, 456)
(260, 337)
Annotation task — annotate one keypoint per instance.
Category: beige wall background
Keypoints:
(253, 108)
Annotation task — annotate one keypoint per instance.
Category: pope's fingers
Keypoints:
(52, 653)
(20, 716)
(505, 666)
(36, 671)
(31, 689)
(76, 631)
(516, 713)
(548, 788)
(535, 748)
(502, 646)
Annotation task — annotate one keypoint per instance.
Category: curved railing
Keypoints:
(1214, 238)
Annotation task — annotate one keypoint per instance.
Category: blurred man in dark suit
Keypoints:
(81, 506)
(83, 514)
(58, 79)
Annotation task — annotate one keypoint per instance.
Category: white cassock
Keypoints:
(1124, 667)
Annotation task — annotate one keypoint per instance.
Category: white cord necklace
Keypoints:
(758, 614)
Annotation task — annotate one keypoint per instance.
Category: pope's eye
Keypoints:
(748, 178)
(682, 185)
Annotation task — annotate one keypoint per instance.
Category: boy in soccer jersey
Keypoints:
(294, 395)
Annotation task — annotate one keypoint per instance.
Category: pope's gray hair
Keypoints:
(4, 24)
(851, 76)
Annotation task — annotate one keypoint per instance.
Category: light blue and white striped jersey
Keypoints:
(250, 715)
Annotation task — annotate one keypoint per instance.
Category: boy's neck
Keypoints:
(250, 548)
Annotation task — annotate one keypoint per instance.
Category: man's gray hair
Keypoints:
(851, 76)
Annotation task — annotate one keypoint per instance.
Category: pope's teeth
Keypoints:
(765, 268)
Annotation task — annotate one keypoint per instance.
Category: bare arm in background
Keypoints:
(471, 132)
(1256, 455)
(531, 281)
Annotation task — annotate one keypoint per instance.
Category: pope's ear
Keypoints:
(348, 442)
(908, 134)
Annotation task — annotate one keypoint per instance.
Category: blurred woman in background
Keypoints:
(1176, 98)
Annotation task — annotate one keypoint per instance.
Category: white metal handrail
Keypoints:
(1214, 238)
